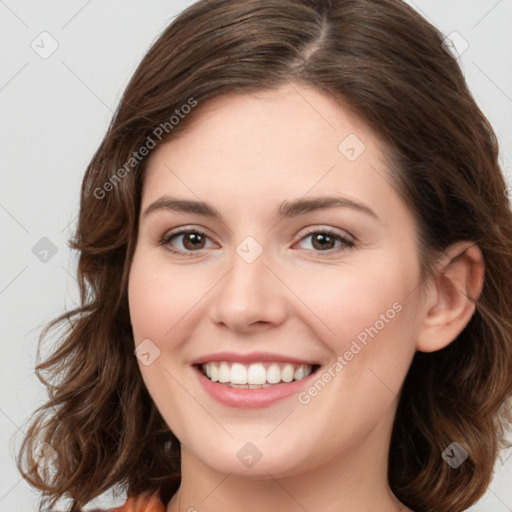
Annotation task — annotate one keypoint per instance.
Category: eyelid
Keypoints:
(326, 229)
(347, 241)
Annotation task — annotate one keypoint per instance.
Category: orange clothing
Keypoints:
(146, 502)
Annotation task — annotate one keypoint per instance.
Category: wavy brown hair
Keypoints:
(386, 63)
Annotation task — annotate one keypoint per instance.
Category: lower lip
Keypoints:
(251, 398)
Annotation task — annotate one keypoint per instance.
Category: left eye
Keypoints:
(326, 240)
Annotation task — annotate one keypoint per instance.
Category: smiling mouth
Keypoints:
(255, 375)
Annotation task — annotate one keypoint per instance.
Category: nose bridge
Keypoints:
(249, 293)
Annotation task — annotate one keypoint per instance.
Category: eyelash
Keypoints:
(347, 243)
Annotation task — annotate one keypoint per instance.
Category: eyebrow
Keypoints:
(286, 210)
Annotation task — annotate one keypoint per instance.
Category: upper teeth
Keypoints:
(255, 373)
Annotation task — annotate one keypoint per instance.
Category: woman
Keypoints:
(298, 225)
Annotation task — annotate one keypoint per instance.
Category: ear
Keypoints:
(450, 294)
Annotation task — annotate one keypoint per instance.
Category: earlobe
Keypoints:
(451, 295)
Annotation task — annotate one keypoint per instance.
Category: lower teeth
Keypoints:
(247, 386)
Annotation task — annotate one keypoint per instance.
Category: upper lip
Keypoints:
(251, 357)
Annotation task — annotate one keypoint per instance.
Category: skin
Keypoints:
(245, 155)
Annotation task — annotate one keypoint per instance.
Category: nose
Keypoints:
(250, 297)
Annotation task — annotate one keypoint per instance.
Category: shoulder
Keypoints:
(145, 502)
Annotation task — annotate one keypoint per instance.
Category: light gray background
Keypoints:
(54, 113)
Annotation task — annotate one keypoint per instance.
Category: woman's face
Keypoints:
(298, 256)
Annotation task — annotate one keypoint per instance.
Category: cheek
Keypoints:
(373, 324)
(161, 296)
(161, 304)
(366, 317)
(354, 300)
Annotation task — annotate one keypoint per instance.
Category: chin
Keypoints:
(256, 459)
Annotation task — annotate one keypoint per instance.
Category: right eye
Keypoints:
(190, 240)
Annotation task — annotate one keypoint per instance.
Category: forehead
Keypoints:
(293, 117)
(248, 149)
